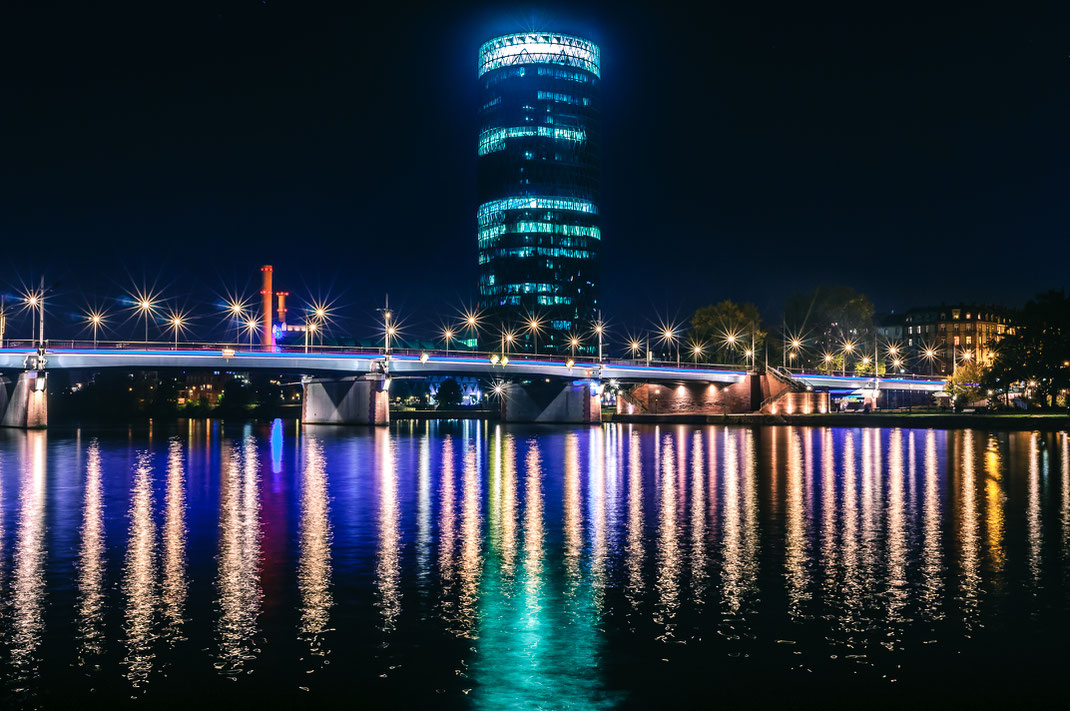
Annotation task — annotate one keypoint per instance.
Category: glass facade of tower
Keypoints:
(538, 168)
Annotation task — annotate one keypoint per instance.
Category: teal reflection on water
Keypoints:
(538, 642)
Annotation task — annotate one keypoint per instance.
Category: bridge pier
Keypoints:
(574, 402)
(359, 400)
(757, 392)
(24, 401)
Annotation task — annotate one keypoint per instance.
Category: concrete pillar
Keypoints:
(570, 402)
(360, 400)
(24, 402)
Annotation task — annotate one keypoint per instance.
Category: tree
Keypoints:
(1037, 353)
(449, 393)
(717, 324)
(965, 384)
(827, 317)
(831, 366)
(864, 366)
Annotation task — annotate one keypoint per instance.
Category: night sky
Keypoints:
(750, 150)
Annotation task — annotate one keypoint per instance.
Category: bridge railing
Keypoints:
(580, 361)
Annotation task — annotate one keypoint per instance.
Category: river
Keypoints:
(478, 565)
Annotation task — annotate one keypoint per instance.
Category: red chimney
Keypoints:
(267, 339)
(282, 306)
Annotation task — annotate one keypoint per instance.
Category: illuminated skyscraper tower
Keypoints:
(538, 171)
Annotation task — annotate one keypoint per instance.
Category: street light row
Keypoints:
(147, 306)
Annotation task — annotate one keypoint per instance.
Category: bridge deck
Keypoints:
(342, 362)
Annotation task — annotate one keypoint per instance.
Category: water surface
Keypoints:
(474, 565)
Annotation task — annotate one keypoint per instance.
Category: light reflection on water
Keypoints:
(240, 594)
(500, 566)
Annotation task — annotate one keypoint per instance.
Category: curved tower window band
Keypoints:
(539, 48)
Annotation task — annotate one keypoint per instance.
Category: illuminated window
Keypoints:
(494, 208)
(563, 74)
(561, 98)
(494, 139)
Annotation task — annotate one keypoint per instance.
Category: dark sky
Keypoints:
(750, 149)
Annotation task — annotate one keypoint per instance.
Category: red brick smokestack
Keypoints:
(267, 339)
(282, 306)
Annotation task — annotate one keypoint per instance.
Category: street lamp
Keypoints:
(634, 347)
(930, 355)
(696, 351)
(966, 356)
(237, 312)
(534, 325)
(176, 322)
(310, 330)
(668, 335)
(252, 326)
(505, 338)
(573, 343)
(471, 322)
(598, 329)
(447, 336)
(145, 305)
(96, 320)
(34, 301)
(848, 348)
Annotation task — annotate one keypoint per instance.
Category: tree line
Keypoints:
(833, 329)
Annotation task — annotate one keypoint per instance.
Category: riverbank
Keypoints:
(923, 420)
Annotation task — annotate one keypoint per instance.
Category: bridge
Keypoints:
(351, 385)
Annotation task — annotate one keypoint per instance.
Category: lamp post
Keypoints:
(598, 329)
(388, 329)
(848, 348)
(447, 336)
(95, 321)
(252, 326)
(237, 311)
(32, 301)
(534, 325)
(930, 355)
(471, 324)
(573, 342)
(176, 325)
(145, 306)
(669, 335)
(634, 347)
